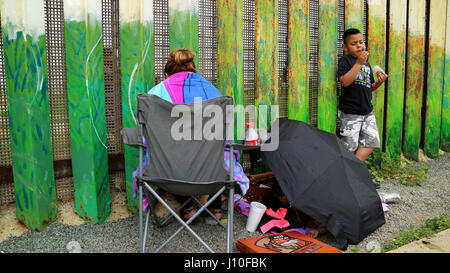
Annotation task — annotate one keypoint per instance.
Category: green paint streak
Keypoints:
(414, 94)
(29, 127)
(445, 130)
(377, 48)
(183, 30)
(434, 101)
(266, 60)
(137, 68)
(230, 75)
(435, 84)
(395, 93)
(445, 127)
(298, 69)
(327, 96)
(86, 101)
(396, 79)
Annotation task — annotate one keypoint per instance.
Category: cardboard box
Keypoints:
(263, 184)
(285, 242)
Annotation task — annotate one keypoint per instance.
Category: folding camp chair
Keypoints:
(191, 165)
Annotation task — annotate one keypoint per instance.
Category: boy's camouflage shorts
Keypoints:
(359, 128)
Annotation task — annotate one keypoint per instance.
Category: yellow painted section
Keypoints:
(354, 11)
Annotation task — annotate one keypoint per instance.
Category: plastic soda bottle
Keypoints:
(378, 70)
(251, 136)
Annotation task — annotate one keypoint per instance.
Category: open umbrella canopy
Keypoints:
(324, 180)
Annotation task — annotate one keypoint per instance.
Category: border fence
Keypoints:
(70, 71)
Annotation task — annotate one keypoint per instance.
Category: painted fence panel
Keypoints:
(414, 78)
(24, 42)
(230, 62)
(298, 69)
(436, 39)
(328, 38)
(137, 73)
(266, 59)
(396, 79)
(445, 129)
(86, 99)
(376, 38)
(183, 26)
(354, 11)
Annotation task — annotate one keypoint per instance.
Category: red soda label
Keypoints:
(252, 142)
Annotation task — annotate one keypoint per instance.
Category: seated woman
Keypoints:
(182, 85)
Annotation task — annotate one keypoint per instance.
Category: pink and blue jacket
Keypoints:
(183, 87)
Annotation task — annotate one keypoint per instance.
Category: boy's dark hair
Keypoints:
(348, 32)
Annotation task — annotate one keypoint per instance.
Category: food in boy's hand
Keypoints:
(378, 70)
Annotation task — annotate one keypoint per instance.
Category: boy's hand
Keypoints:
(381, 77)
(362, 57)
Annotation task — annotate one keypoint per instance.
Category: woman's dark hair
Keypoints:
(180, 60)
(348, 32)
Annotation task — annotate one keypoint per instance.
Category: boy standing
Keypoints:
(358, 124)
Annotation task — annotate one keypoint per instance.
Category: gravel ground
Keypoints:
(418, 204)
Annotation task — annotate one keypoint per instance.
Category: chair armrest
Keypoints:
(131, 137)
(242, 147)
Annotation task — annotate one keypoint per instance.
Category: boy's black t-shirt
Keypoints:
(357, 97)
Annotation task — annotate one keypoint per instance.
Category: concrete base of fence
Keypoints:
(10, 225)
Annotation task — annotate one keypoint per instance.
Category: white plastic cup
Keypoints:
(257, 211)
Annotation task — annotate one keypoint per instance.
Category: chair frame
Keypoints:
(142, 184)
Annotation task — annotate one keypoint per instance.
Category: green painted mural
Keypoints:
(376, 45)
(137, 69)
(408, 119)
(396, 79)
(414, 79)
(183, 26)
(86, 99)
(298, 67)
(266, 60)
(445, 128)
(438, 10)
(354, 11)
(24, 46)
(230, 63)
(328, 37)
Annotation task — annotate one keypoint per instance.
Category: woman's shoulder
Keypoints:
(157, 89)
(160, 91)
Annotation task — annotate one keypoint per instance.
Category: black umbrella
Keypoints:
(324, 180)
